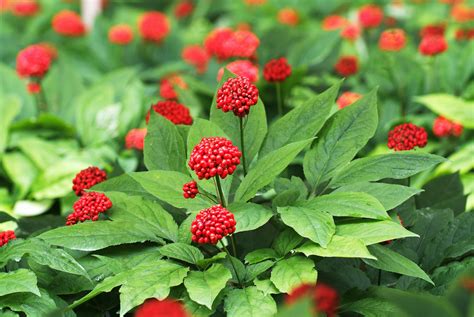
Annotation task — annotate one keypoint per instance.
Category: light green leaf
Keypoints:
(267, 168)
(373, 231)
(389, 195)
(168, 187)
(21, 170)
(393, 165)
(183, 252)
(19, 281)
(342, 137)
(315, 225)
(249, 302)
(339, 247)
(292, 272)
(266, 286)
(164, 146)
(302, 122)
(9, 108)
(260, 255)
(249, 216)
(203, 287)
(392, 261)
(451, 107)
(360, 205)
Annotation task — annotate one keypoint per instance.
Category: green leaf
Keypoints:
(313, 49)
(339, 247)
(147, 215)
(183, 252)
(389, 195)
(372, 307)
(373, 231)
(124, 184)
(19, 281)
(32, 305)
(216, 258)
(168, 187)
(318, 226)
(21, 171)
(9, 108)
(445, 191)
(286, 241)
(360, 205)
(392, 261)
(203, 287)
(249, 302)
(292, 272)
(11, 84)
(255, 124)
(342, 137)
(249, 216)
(393, 165)
(451, 107)
(267, 168)
(260, 255)
(302, 122)
(164, 146)
(266, 286)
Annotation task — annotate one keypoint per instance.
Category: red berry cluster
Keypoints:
(88, 207)
(241, 68)
(173, 111)
(370, 16)
(212, 224)
(406, 136)
(334, 22)
(183, 9)
(6, 236)
(120, 34)
(33, 61)
(135, 139)
(433, 29)
(24, 8)
(443, 127)
(214, 156)
(33, 87)
(190, 189)
(68, 23)
(433, 45)
(347, 65)
(197, 56)
(351, 32)
(277, 70)
(288, 16)
(167, 86)
(347, 99)
(237, 94)
(325, 298)
(224, 43)
(392, 40)
(165, 308)
(153, 26)
(466, 34)
(87, 178)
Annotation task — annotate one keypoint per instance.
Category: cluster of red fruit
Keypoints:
(238, 95)
(6, 236)
(173, 111)
(407, 136)
(87, 178)
(277, 70)
(325, 298)
(161, 308)
(225, 43)
(212, 224)
(33, 63)
(443, 127)
(190, 190)
(135, 139)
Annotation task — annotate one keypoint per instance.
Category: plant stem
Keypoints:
(41, 100)
(379, 279)
(279, 100)
(242, 145)
(220, 192)
(209, 197)
(231, 262)
(232, 241)
(397, 86)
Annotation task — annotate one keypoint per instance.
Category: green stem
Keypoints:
(209, 197)
(242, 145)
(279, 99)
(398, 87)
(379, 278)
(231, 262)
(232, 241)
(220, 192)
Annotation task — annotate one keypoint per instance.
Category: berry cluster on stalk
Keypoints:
(173, 111)
(88, 207)
(87, 178)
(6, 236)
(407, 136)
(190, 190)
(238, 95)
(212, 224)
(277, 70)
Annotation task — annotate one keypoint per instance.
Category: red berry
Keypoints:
(167, 86)
(33, 88)
(392, 40)
(351, 32)
(334, 22)
(347, 99)
(190, 190)
(120, 34)
(288, 16)
(212, 224)
(24, 8)
(277, 70)
(165, 308)
(214, 156)
(347, 65)
(443, 127)
(88, 207)
(407, 136)
(173, 111)
(135, 139)
(68, 23)
(6, 236)
(370, 16)
(224, 43)
(197, 56)
(237, 94)
(241, 68)
(325, 298)
(87, 178)
(153, 26)
(33, 61)
(183, 9)
(433, 29)
(433, 45)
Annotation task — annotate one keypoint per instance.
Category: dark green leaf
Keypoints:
(249, 216)
(183, 252)
(19, 281)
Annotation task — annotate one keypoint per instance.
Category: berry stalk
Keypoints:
(242, 145)
(279, 100)
(220, 192)
(231, 262)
